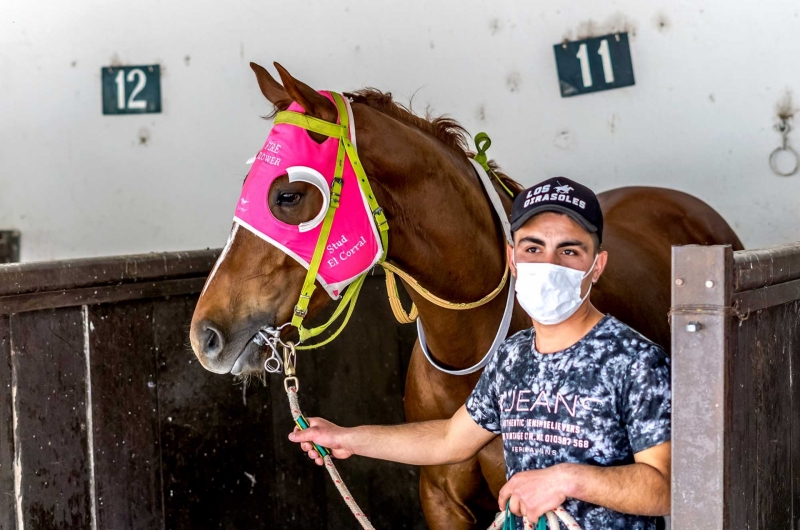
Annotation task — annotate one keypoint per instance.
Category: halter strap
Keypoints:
(340, 131)
(508, 312)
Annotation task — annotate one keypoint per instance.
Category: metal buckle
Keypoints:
(289, 359)
(300, 312)
(291, 383)
(271, 337)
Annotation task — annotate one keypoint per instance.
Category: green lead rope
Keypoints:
(510, 522)
(482, 144)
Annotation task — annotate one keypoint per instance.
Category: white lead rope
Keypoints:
(294, 407)
(505, 322)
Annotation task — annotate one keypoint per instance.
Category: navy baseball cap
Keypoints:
(560, 195)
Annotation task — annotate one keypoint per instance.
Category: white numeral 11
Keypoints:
(608, 70)
(586, 72)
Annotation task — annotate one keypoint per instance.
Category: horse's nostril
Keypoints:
(212, 341)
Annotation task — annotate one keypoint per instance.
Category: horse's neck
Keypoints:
(444, 232)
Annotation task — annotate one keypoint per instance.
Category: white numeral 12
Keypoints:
(586, 72)
(133, 103)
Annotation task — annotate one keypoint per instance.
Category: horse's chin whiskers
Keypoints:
(245, 379)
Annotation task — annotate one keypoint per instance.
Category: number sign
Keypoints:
(131, 89)
(591, 65)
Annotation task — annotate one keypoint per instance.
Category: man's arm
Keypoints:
(423, 444)
(642, 488)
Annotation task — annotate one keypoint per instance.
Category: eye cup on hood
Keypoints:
(315, 178)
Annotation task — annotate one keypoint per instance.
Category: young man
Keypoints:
(582, 400)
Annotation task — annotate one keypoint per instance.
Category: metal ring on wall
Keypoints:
(773, 158)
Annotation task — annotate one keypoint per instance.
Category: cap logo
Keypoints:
(561, 195)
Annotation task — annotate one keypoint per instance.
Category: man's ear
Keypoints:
(510, 258)
(600, 266)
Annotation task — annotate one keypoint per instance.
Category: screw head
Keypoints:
(679, 281)
(693, 327)
(709, 283)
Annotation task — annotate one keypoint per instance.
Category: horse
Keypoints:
(446, 235)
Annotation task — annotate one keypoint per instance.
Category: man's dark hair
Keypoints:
(595, 243)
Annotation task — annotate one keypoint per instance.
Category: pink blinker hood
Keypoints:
(353, 246)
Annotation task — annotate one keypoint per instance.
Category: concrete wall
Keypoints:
(76, 183)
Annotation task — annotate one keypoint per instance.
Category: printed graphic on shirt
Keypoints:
(598, 402)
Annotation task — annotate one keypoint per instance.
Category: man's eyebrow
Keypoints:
(572, 243)
(531, 239)
(563, 244)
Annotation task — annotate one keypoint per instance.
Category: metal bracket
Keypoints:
(701, 280)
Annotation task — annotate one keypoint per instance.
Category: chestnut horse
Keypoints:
(444, 233)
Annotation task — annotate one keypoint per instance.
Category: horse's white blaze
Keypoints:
(221, 258)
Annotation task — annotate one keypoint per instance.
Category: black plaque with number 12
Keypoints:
(591, 65)
(131, 89)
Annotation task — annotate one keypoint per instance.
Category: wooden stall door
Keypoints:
(107, 420)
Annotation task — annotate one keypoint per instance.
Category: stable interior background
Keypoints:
(710, 77)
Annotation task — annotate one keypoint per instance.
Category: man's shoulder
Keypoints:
(622, 340)
(520, 340)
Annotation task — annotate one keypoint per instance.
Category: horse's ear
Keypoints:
(271, 89)
(314, 103)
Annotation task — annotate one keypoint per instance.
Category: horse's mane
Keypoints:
(444, 128)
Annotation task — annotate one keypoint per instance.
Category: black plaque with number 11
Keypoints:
(591, 65)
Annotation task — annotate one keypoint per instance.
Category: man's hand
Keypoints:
(324, 433)
(641, 488)
(533, 493)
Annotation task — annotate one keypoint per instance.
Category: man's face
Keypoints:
(555, 238)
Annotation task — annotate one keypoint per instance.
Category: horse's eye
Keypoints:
(288, 199)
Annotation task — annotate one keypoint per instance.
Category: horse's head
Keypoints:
(254, 283)
(442, 229)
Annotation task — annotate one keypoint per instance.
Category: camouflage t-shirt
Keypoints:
(597, 402)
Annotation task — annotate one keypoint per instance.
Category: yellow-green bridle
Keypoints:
(347, 151)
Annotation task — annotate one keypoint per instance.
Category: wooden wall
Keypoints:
(107, 420)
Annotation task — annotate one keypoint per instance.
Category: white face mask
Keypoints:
(549, 293)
